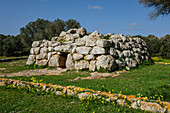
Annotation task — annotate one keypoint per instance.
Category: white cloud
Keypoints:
(134, 24)
(95, 7)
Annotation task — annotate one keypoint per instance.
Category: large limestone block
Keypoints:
(50, 49)
(56, 44)
(89, 57)
(106, 62)
(124, 46)
(80, 42)
(113, 52)
(83, 50)
(49, 55)
(103, 43)
(90, 42)
(71, 31)
(36, 44)
(69, 62)
(82, 31)
(54, 60)
(42, 62)
(120, 54)
(32, 51)
(130, 62)
(127, 53)
(63, 33)
(77, 56)
(63, 48)
(44, 50)
(137, 57)
(92, 66)
(36, 50)
(31, 59)
(82, 64)
(98, 50)
(41, 56)
(94, 34)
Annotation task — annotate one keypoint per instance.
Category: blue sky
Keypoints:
(115, 16)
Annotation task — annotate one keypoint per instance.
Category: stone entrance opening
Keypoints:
(62, 60)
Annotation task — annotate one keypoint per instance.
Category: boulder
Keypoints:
(63, 48)
(54, 60)
(44, 50)
(32, 51)
(62, 34)
(80, 42)
(82, 64)
(130, 62)
(104, 43)
(71, 31)
(77, 56)
(90, 42)
(120, 63)
(83, 50)
(36, 44)
(41, 56)
(113, 52)
(31, 59)
(94, 34)
(54, 39)
(127, 53)
(89, 57)
(82, 31)
(37, 50)
(92, 66)
(56, 44)
(50, 49)
(106, 62)
(98, 51)
(42, 62)
(49, 55)
(69, 62)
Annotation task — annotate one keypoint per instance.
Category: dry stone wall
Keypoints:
(75, 49)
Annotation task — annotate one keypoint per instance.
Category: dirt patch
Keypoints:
(57, 71)
(96, 75)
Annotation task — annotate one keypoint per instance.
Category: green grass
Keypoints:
(4, 57)
(14, 100)
(148, 81)
(159, 59)
(14, 66)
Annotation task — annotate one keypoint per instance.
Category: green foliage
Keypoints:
(161, 7)
(10, 45)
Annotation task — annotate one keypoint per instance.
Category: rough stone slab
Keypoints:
(104, 43)
(31, 59)
(89, 57)
(41, 56)
(77, 56)
(69, 62)
(42, 62)
(98, 51)
(82, 64)
(83, 50)
(54, 61)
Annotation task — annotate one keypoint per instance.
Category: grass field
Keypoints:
(151, 81)
(14, 100)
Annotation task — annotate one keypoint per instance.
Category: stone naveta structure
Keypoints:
(75, 49)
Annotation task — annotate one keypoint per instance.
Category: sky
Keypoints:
(126, 17)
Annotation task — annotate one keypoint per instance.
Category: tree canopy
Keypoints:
(44, 29)
(161, 7)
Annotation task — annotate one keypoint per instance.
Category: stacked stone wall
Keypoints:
(75, 49)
